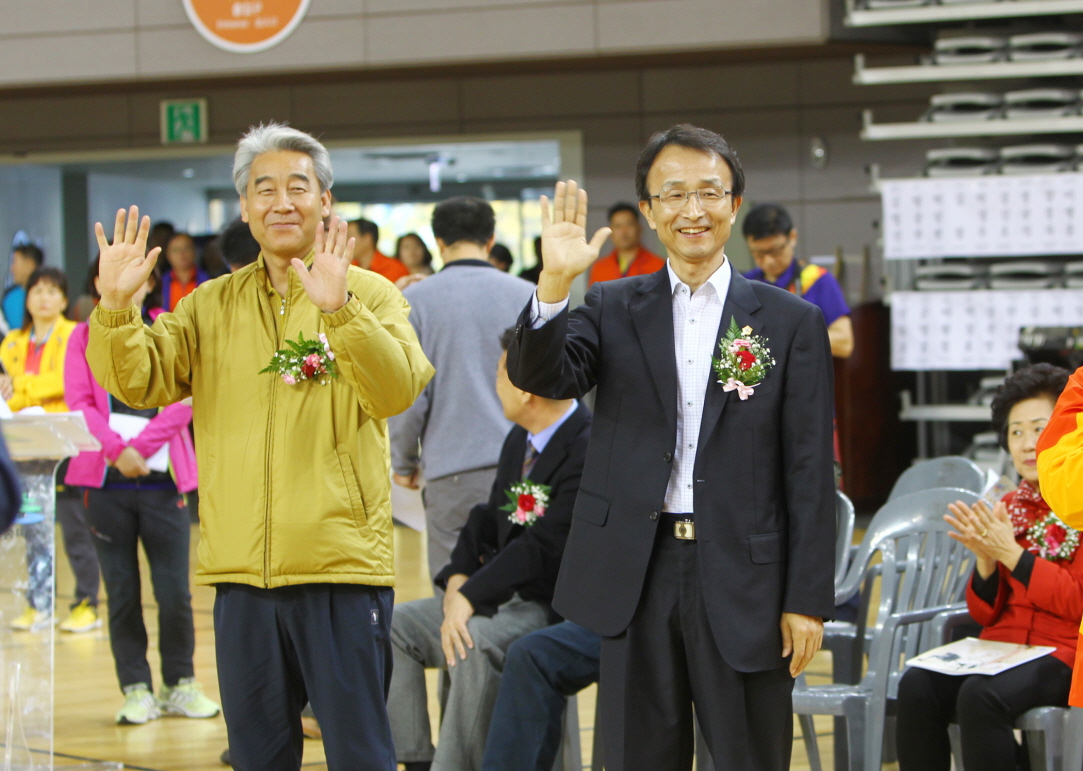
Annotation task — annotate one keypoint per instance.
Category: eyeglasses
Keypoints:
(676, 199)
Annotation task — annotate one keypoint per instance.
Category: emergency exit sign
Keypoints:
(183, 121)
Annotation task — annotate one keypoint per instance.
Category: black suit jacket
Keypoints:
(503, 558)
(764, 489)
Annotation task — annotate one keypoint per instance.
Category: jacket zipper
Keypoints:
(283, 312)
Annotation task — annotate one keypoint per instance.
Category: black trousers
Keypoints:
(667, 660)
(280, 648)
(79, 546)
(985, 708)
(119, 520)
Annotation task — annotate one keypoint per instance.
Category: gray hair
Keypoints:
(273, 137)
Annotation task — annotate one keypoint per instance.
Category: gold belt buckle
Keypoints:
(684, 530)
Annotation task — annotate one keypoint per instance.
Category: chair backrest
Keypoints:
(921, 567)
(844, 534)
(949, 471)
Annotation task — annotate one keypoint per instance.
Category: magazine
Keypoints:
(971, 656)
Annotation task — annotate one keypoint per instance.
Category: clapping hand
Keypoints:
(125, 265)
(986, 532)
(565, 250)
(325, 282)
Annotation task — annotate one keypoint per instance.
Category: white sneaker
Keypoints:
(186, 699)
(140, 706)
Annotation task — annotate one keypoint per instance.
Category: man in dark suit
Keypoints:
(498, 586)
(702, 538)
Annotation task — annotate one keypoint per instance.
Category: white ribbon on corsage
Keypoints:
(744, 391)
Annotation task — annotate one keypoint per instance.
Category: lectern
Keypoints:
(28, 567)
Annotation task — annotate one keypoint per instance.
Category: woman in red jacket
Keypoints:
(1027, 588)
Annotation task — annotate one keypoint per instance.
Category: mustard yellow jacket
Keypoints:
(45, 389)
(294, 481)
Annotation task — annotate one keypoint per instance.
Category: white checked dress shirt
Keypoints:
(696, 318)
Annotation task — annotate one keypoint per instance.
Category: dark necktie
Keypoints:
(529, 459)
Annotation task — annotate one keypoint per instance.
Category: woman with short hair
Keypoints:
(1027, 588)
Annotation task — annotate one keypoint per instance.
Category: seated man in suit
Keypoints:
(498, 586)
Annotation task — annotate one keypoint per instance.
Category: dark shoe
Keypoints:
(225, 758)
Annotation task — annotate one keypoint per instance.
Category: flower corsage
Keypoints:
(743, 362)
(304, 360)
(1053, 539)
(526, 502)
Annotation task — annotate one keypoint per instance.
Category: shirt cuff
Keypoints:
(986, 588)
(114, 319)
(541, 313)
(1024, 568)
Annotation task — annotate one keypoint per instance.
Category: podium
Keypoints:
(37, 443)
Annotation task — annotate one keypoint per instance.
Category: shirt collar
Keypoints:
(719, 280)
(787, 277)
(541, 439)
(467, 261)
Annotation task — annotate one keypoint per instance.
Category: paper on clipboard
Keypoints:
(129, 427)
(971, 656)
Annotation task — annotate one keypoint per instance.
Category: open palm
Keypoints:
(565, 249)
(124, 266)
(325, 281)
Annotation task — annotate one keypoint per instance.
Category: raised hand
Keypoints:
(125, 265)
(565, 250)
(325, 282)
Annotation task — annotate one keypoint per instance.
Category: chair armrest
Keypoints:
(947, 621)
(925, 614)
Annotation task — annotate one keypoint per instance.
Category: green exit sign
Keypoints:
(183, 121)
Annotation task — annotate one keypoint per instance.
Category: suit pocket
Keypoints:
(766, 548)
(591, 508)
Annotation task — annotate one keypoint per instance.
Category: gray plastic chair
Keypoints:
(1073, 741)
(948, 471)
(923, 572)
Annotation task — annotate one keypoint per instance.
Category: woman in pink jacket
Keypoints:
(132, 495)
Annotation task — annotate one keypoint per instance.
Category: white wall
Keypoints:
(70, 41)
(182, 203)
(30, 200)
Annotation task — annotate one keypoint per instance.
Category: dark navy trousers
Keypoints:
(541, 670)
(280, 648)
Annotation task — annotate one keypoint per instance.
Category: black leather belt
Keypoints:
(682, 526)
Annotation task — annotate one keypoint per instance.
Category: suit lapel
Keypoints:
(741, 304)
(652, 316)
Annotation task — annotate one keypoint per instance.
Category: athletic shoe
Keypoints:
(83, 618)
(140, 706)
(186, 699)
(32, 621)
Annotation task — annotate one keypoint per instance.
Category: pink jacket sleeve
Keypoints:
(79, 385)
(161, 428)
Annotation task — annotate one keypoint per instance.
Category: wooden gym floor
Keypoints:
(87, 696)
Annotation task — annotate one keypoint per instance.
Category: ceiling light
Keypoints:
(188, 173)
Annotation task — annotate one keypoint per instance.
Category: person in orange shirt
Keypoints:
(184, 274)
(629, 258)
(367, 234)
(1060, 467)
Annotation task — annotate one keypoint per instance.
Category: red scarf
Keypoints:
(1027, 507)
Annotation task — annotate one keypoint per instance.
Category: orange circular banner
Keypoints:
(245, 26)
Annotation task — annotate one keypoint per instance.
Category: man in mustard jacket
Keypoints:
(294, 475)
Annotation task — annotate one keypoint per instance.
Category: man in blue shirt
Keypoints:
(25, 259)
(771, 238)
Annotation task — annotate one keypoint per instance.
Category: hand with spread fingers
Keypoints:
(802, 636)
(987, 532)
(565, 250)
(124, 265)
(325, 281)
